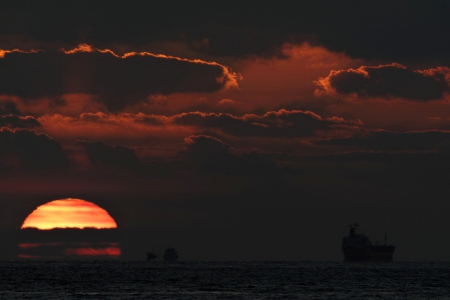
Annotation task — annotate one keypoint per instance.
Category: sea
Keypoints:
(222, 280)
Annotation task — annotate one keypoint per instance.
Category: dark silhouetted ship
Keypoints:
(357, 247)
(151, 256)
(170, 255)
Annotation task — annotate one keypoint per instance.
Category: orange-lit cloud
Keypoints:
(90, 251)
(110, 128)
(226, 102)
(386, 82)
(69, 213)
(59, 250)
(36, 245)
(274, 83)
(5, 52)
(13, 121)
(273, 124)
(229, 78)
(67, 105)
(265, 84)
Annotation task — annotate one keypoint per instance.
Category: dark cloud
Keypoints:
(13, 121)
(213, 156)
(272, 124)
(280, 123)
(116, 80)
(8, 108)
(383, 29)
(104, 155)
(393, 141)
(246, 31)
(30, 150)
(388, 81)
(120, 157)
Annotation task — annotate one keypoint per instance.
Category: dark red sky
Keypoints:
(241, 132)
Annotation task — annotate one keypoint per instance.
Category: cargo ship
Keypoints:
(357, 247)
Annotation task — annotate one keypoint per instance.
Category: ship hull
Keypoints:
(372, 253)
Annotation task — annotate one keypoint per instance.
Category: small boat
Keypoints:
(170, 255)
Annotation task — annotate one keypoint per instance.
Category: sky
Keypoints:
(230, 130)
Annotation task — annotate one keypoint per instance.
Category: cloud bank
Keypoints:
(273, 124)
(387, 82)
(383, 29)
(116, 81)
(13, 121)
(27, 149)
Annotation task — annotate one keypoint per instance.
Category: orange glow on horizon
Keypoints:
(90, 251)
(69, 213)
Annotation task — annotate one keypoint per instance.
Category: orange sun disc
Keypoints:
(69, 213)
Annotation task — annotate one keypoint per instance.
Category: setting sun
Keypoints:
(69, 213)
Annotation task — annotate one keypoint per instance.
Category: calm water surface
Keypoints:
(223, 280)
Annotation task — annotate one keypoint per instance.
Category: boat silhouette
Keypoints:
(170, 255)
(151, 256)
